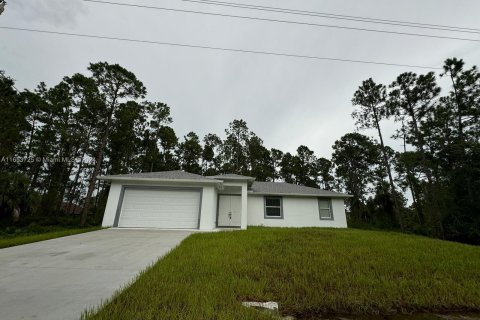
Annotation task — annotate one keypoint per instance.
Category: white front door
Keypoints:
(229, 211)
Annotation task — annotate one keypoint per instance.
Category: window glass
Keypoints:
(325, 214)
(273, 212)
(324, 204)
(272, 202)
(325, 209)
(273, 207)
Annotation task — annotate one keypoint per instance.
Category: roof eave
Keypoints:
(233, 178)
(343, 196)
(207, 181)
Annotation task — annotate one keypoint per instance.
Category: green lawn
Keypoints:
(308, 271)
(29, 235)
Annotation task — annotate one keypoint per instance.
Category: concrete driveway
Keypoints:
(59, 278)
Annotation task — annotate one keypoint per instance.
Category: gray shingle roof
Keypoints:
(283, 188)
(266, 188)
(167, 175)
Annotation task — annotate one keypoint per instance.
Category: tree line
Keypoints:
(55, 142)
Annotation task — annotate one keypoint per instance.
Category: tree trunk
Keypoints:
(96, 171)
(459, 109)
(73, 189)
(34, 176)
(388, 170)
(432, 205)
(16, 214)
(65, 194)
(416, 204)
(101, 189)
(32, 131)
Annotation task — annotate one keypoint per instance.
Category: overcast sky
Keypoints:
(285, 101)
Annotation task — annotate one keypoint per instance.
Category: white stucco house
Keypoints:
(182, 200)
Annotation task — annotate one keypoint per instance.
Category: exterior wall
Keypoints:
(297, 212)
(208, 202)
(112, 203)
(209, 208)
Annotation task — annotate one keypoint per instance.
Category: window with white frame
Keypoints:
(325, 209)
(273, 207)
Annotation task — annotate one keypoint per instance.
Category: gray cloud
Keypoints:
(54, 12)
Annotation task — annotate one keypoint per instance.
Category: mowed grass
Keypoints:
(309, 272)
(16, 239)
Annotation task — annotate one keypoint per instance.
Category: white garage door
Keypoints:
(156, 208)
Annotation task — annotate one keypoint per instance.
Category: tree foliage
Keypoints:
(55, 142)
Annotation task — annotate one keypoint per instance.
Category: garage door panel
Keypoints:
(157, 208)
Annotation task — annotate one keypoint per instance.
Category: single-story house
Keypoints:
(182, 200)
